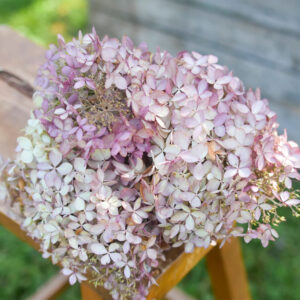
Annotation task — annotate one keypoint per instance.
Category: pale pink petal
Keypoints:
(174, 230)
(127, 271)
(152, 253)
(120, 82)
(44, 166)
(245, 172)
(79, 204)
(126, 247)
(79, 84)
(27, 156)
(230, 173)
(137, 219)
(189, 156)
(50, 178)
(179, 216)
(132, 238)
(66, 271)
(65, 168)
(55, 157)
(105, 259)
(284, 196)
(213, 185)
(220, 131)
(292, 202)
(79, 164)
(199, 171)
(224, 80)
(202, 86)
(189, 223)
(115, 257)
(90, 84)
(257, 106)
(97, 229)
(142, 214)
(72, 279)
(242, 108)
(230, 143)
(98, 249)
(257, 213)
(108, 53)
(127, 206)
(220, 119)
(233, 160)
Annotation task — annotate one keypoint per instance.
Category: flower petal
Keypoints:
(231, 172)
(79, 204)
(27, 156)
(79, 164)
(98, 249)
(24, 143)
(120, 82)
(189, 223)
(245, 172)
(65, 168)
(55, 157)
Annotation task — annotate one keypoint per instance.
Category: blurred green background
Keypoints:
(274, 272)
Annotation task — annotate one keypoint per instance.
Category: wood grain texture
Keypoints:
(259, 44)
(18, 55)
(280, 15)
(52, 288)
(227, 272)
(14, 113)
(89, 293)
(21, 57)
(175, 272)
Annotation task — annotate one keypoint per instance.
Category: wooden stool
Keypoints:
(19, 61)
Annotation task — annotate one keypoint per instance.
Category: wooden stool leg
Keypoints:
(227, 272)
(88, 293)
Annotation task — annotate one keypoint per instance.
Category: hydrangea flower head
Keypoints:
(130, 153)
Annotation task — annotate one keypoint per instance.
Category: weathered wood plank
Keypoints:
(52, 288)
(282, 89)
(174, 273)
(231, 35)
(281, 15)
(89, 293)
(18, 55)
(14, 113)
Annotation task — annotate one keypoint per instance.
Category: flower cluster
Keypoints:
(129, 153)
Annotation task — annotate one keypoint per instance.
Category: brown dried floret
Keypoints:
(105, 105)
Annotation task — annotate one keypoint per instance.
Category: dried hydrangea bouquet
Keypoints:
(130, 153)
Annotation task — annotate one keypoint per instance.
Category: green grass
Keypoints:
(42, 20)
(23, 270)
(273, 272)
